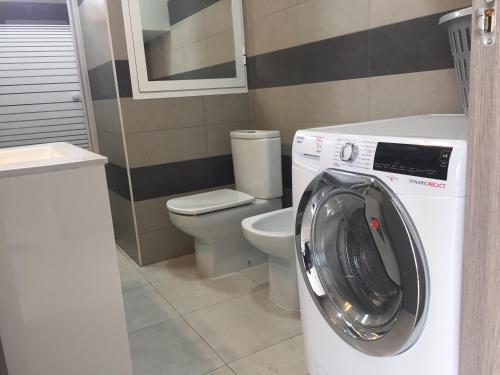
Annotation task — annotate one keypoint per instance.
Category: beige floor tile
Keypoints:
(285, 358)
(145, 307)
(189, 292)
(124, 262)
(226, 370)
(172, 347)
(258, 274)
(244, 325)
(131, 279)
(171, 267)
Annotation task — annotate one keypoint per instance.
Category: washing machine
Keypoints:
(379, 239)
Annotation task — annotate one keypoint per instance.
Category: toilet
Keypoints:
(214, 218)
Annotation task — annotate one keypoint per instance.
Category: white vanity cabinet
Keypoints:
(61, 308)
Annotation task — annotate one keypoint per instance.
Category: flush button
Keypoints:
(349, 152)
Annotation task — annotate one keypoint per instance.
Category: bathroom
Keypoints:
(167, 91)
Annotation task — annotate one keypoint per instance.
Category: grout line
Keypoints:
(261, 350)
(183, 127)
(218, 368)
(134, 287)
(257, 289)
(152, 325)
(183, 317)
(206, 342)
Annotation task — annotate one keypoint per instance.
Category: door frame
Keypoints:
(480, 315)
(74, 16)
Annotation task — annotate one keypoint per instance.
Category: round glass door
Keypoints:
(362, 262)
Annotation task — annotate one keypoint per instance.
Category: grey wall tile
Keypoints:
(107, 115)
(102, 82)
(175, 178)
(417, 45)
(335, 102)
(277, 104)
(414, 93)
(273, 32)
(123, 78)
(166, 146)
(161, 114)
(115, 10)
(164, 244)
(255, 9)
(218, 18)
(218, 139)
(112, 146)
(383, 12)
(123, 225)
(226, 108)
(322, 19)
(152, 214)
(220, 48)
(183, 9)
(119, 41)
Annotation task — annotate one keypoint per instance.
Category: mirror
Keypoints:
(185, 47)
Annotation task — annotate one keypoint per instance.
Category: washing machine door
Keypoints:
(362, 262)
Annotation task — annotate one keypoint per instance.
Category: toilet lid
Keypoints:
(203, 203)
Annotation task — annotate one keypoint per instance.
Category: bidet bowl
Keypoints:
(273, 233)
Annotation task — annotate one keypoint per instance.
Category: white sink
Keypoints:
(273, 233)
(28, 154)
(45, 157)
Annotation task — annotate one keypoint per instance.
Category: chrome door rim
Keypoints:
(410, 320)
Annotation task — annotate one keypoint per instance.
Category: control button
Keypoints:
(445, 156)
(349, 152)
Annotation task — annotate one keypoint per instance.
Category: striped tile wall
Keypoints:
(311, 62)
(319, 62)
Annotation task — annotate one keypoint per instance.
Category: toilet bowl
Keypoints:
(220, 247)
(214, 218)
(273, 233)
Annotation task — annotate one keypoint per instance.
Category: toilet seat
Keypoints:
(211, 201)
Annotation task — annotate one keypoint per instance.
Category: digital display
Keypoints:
(413, 160)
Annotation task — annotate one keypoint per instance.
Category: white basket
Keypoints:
(459, 32)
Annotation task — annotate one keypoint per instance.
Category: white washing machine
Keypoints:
(379, 227)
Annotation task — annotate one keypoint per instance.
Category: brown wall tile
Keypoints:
(164, 244)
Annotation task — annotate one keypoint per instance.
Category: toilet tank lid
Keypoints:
(211, 201)
(255, 134)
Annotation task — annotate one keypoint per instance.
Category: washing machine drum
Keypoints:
(363, 262)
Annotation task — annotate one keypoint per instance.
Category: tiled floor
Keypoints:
(182, 324)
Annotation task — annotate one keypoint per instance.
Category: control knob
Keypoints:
(349, 152)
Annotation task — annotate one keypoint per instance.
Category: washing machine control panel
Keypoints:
(349, 152)
(355, 153)
(413, 160)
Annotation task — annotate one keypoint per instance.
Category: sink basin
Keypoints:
(273, 233)
(28, 154)
(45, 157)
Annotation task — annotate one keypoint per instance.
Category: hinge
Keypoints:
(244, 53)
(486, 20)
